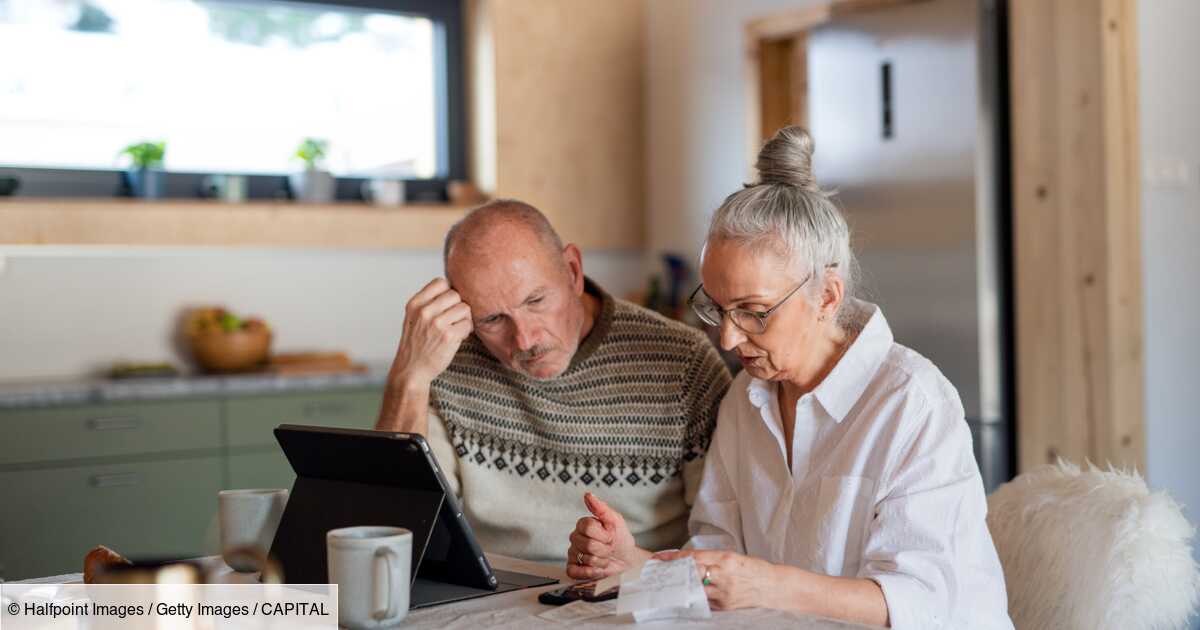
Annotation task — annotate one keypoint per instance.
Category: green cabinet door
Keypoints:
(255, 460)
(265, 469)
(250, 420)
(108, 430)
(53, 516)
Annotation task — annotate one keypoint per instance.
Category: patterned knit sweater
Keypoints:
(629, 420)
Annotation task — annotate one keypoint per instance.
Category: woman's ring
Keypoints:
(579, 559)
(707, 581)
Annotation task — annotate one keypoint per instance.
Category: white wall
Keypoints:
(68, 311)
(1170, 101)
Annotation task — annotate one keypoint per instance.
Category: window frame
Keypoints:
(449, 118)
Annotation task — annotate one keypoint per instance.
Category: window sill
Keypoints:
(25, 221)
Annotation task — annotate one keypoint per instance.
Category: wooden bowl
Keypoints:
(232, 351)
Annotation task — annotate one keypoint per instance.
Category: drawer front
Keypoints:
(260, 470)
(53, 517)
(251, 420)
(40, 435)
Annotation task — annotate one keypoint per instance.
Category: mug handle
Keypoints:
(388, 560)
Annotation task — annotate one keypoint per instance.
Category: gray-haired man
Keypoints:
(534, 386)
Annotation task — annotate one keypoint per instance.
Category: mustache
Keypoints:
(535, 352)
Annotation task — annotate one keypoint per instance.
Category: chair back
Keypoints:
(1092, 550)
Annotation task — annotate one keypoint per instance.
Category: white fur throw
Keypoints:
(1092, 550)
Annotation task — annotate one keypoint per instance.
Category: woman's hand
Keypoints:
(601, 544)
(735, 580)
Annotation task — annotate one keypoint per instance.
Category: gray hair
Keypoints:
(789, 214)
(497, 211)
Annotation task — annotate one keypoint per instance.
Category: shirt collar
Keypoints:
(760, 392)
(845, 384)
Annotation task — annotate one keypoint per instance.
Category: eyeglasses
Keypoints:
(750, 322)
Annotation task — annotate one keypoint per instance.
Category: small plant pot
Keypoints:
(147, 183)
(313, 186)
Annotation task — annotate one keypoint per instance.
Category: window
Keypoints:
(231, 86)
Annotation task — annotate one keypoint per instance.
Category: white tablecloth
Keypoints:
(519, 610)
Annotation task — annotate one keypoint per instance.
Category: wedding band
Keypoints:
(579, 559)
(707, 581)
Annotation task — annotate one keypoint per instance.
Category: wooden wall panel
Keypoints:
(783, 80)
(1125, 433)
(775, 76)
(798, 78)
(568, 99)
(195, 223)
(1076, 230)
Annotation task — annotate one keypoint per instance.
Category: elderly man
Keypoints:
(534, 386)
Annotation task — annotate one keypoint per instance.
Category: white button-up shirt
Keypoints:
(883, 484)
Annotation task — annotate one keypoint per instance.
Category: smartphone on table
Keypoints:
(584, 590)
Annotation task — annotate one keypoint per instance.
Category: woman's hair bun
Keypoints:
(787, 159)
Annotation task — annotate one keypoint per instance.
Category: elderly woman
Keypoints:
(840, 481)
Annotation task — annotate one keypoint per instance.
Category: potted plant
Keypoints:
(145, 175)
(313, 184)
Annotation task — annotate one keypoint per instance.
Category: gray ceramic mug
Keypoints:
(372, 567)
(249, 519)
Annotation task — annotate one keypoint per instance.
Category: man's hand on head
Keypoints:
(436, 321)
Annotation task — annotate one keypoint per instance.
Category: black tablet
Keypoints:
(347, 477)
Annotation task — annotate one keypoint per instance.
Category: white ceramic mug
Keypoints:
(384, 192)
(249, 519)
(372, 567)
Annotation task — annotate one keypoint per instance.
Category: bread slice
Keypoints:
(98, 559)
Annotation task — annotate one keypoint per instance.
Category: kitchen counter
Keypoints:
(55, 392)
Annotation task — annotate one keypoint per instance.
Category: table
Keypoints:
(519, 610)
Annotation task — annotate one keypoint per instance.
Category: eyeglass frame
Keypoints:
(761, 316)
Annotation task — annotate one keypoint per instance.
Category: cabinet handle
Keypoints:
(115, 480)
(113, 424)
